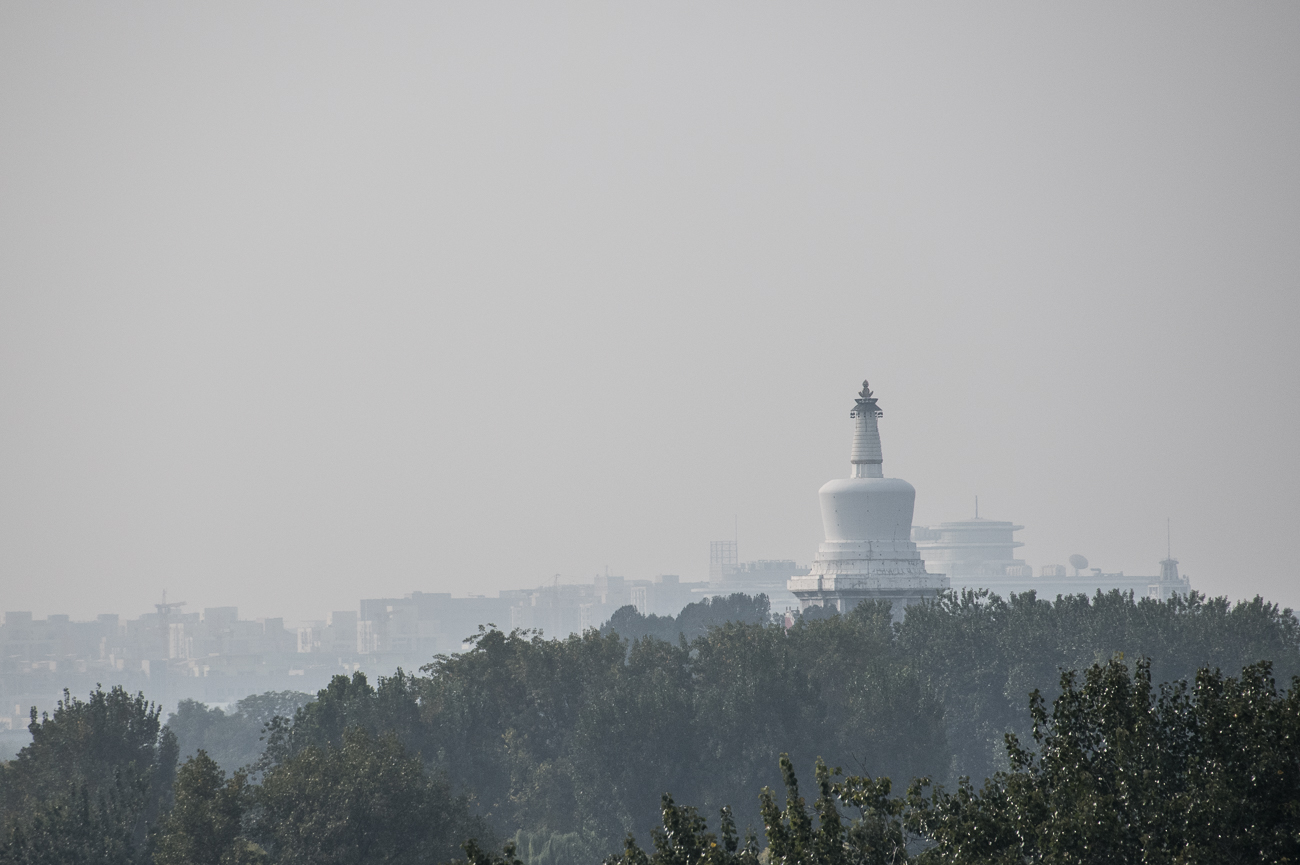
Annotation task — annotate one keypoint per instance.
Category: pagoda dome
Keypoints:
(867, 509)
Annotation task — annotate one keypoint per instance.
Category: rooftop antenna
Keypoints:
(977, 507)
(1169, 549)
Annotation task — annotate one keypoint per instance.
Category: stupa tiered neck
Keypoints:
(868, 553)
(866, 458)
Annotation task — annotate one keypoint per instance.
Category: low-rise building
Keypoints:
(979, 554)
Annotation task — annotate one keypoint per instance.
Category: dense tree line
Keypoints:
(1118, 772)
(567, 746)
(91, 785)
(233, 739)
(981, 656)
(578, 738)
(99, 784)
(693, 621)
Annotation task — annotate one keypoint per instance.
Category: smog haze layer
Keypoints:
(304, 304)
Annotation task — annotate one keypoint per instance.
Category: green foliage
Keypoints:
(90, 785)
(831, 687)
(85, 742)
(693, 621)
(683, 839)
(981, 656)
(795, 835)
(1204, 774)
(1119, 773)
(584, 735)
(364, 800)
(570, 746)
(476, 855)
(76, 828)
(346, 702)
(794, 838)
(556, 848)
(203, 827)
(505, 714)
(236, 739)
(578, 738)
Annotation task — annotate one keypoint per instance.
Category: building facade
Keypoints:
(980, 554)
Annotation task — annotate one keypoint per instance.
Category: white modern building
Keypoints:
(868, 553)
(980, 554)
(970, 550)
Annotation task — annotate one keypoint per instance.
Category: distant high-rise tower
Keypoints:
(723, 560)
(868, 552)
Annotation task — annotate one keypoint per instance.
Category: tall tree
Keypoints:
(105, 763)
(1122, 773)
(365, 800)
(204, 825)
(234, 739)
(982, 655)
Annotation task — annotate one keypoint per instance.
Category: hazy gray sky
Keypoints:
(302, 303)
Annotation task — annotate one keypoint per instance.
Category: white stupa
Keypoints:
(868, 552)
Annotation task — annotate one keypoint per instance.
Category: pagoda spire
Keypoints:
(866, 457)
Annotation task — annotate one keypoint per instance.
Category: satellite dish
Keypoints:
(1078, 562)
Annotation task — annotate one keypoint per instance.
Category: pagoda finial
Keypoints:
(866, 403)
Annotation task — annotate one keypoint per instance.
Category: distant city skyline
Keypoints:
(305, 611)
(215, 655)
